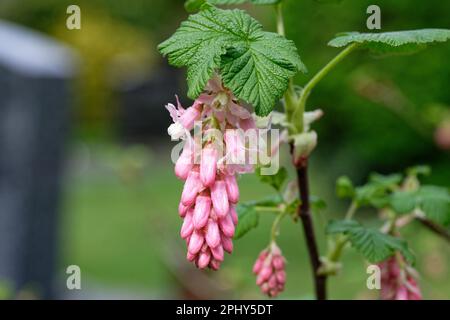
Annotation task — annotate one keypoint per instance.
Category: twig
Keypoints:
(444, 233)
(304, 213)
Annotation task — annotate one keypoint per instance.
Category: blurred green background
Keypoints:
(120, 221)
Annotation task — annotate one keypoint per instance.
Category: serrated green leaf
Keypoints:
(248, 219)
(276, 180)
(393, 42)
(344, 187)
(435, 203)
(432, 200)
(195, 5)
(256, 65)
(374, 245)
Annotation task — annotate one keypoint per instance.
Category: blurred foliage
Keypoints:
(360, 129)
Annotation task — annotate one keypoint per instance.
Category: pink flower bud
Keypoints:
(187, 227)
(278, 262)
(203, 260)
(208, 165)
(212, 234)
(219, 198)
(273, 284)
(214, 264)
(265, 288)
(247, 124)
(235, 146)
(191, 188)
(397, 280)
(189, 116)
(260, 261)
(190, 256)
(184, 164)
(264, 275)
(281, 276)
(233, 215)
(227, 244)
(201, 211)
(402, 293)
(269, 270)
(232, 188)
(227, 226)
(217, 252)
(182, 209)
(196, 242)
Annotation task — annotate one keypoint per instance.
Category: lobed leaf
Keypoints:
(432, 200)
(374, 245)
(256, 65)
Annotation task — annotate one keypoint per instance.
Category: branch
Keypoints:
(304, 212)
(439, 230)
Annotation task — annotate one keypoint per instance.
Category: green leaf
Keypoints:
(344, 187)
(376, 191)
(432, 200)
(435, 203)
(276, 180)
(403, 201)
(390, 181)
(374, 245)
(248, 219)
(418, 170)
(256, 65)
(393, 42)
(193, 5)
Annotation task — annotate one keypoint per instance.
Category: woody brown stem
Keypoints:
(304, 212)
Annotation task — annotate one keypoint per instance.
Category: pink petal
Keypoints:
(189, 117)
(203, 260)
(219, 198)
(201, 211)
(182, 209)
(208, 165)
(217, 253)
(227, 244)
(187, 227)
(191, 188)
(212, 234)
(227, 226)
(196, 242)
(184, 164)
(232, 188)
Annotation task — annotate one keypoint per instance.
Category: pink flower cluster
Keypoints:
(398, 283)
(210, 191)
(269, 271)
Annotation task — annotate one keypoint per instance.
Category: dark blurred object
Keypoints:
(142, 117)
(34, 109)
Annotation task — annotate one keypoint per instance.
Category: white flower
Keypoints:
(176, 131)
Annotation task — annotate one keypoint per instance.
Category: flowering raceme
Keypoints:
(269, 271)
(210, 192)
(398, 283)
